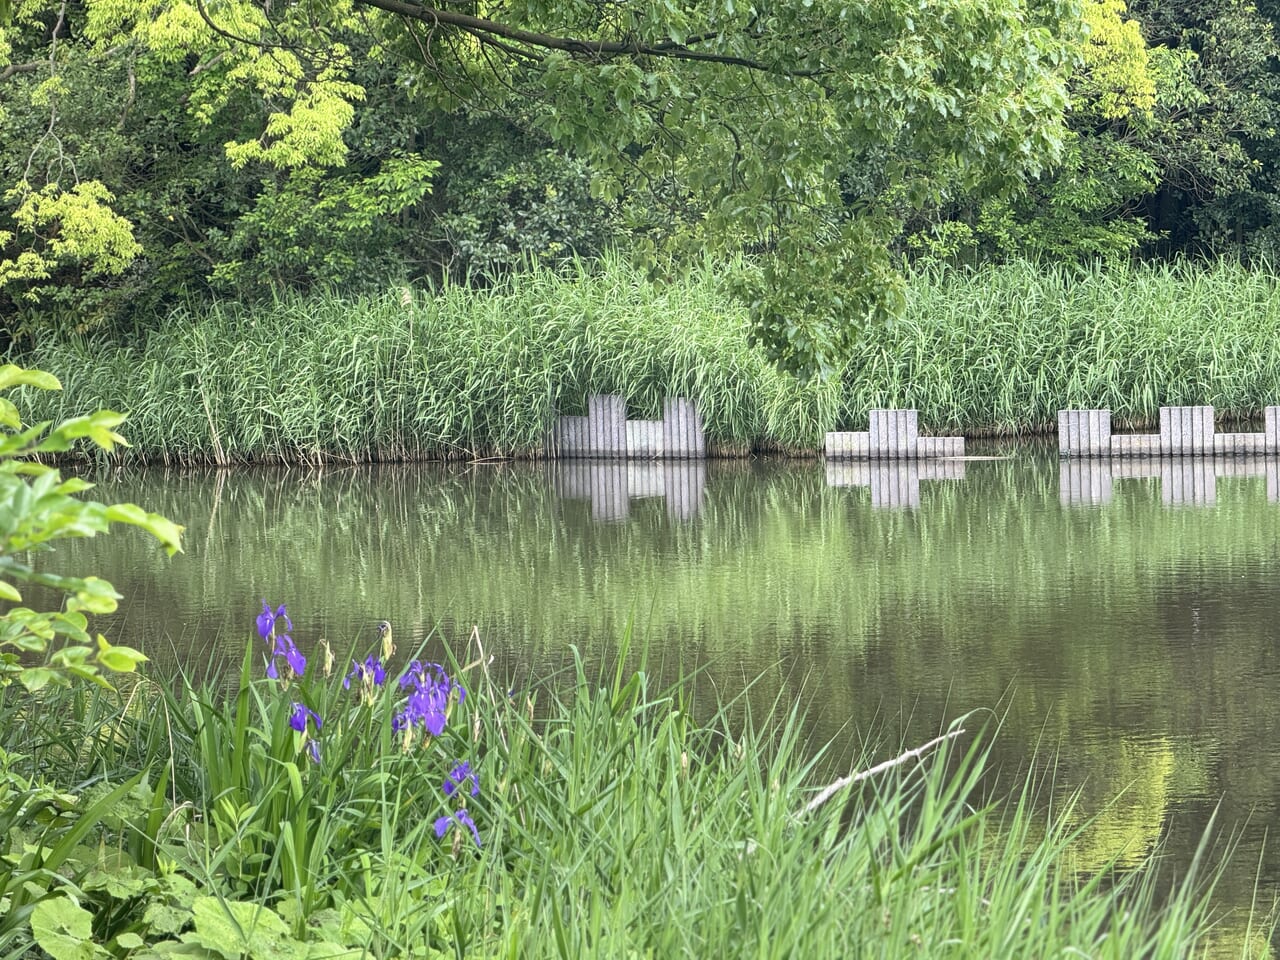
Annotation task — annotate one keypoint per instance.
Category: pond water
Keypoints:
(1121, 619)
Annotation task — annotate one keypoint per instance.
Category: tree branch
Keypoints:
(599, 49)
(829, 791)
(13, 68)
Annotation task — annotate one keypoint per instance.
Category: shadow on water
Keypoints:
(1133, 642)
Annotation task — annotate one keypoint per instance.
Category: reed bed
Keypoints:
(609, 823)
(463, 373)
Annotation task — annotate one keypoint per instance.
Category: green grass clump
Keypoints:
(612, 822)
(466, 372)
(1001, 349)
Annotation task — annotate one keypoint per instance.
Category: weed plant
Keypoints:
(328, 818)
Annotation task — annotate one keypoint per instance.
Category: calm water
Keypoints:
(1124, 624)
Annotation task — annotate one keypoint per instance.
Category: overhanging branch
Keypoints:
(598, 49)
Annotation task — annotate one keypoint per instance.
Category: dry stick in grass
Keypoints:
(831, 790)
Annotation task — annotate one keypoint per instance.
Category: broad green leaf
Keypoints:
(166, 531)
(63, 929)
(163, 918)
(9, 592)
(13, 376)
(234, 929)
(9, 415)
(120, 882)
(37, 678)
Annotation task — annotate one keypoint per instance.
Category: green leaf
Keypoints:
(120, 882)
(9, 415)
(163, 918)
(14, 376)
(118, 659)
(36, 678)
(234, 929)
(166, 531)
(9, 592)
(63, 929)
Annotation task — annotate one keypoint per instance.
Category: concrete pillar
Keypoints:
(606, 426)
(644, 439)
(682, 436)
(1084, 433)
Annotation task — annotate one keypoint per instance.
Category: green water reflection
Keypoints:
(1128, 634)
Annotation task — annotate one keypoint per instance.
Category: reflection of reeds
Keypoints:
(775, 564)
(989, 592)
(465, 372)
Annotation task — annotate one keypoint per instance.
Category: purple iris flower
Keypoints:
(422, 674)
(461, 817)
(293, 657)
(428, 700)
(458, 778)
(267, 620)
(298, 717)
(369, 672)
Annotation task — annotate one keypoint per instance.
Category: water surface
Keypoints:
(1120, 618)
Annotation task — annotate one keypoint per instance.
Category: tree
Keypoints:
(750, 115)
(1169, 136)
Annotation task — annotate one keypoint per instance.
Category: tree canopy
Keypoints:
(160, 149)
(803, 131)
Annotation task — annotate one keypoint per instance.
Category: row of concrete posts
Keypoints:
(1184, 432)
(606, 433)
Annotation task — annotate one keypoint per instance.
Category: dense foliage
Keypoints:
(157, 153)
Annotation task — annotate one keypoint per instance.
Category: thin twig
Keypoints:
(829, 791)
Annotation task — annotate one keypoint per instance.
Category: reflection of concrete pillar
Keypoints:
(684, 484)
(609, 500)
(572, 481)
(645, 479)
(1187, 480)
(682, 436)
(942, 469)
(856, 473)
(1084, 482)
(1272, 468)
(606, 426)
(895, 484)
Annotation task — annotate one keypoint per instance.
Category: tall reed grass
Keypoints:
(465, 373)
(612, 824)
